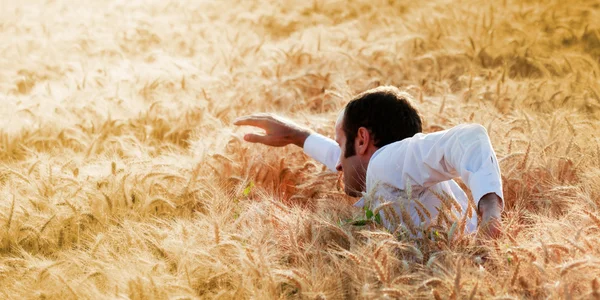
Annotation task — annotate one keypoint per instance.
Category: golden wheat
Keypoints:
(122, 175)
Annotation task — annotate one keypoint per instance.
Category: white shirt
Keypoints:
(423, 165)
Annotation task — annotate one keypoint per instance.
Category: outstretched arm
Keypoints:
(280, 132)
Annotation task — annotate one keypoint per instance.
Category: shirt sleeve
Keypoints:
(427, 159)
(323, 150)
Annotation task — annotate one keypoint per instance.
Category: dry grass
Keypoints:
(121, 175)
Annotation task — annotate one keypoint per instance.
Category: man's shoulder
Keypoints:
(382, 152)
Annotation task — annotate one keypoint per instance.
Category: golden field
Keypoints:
(122, 176)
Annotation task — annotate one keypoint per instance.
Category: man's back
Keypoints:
(424, 165)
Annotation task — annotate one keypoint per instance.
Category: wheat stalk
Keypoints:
(473, 291)
(457, 279)
(515, 275)
(573, 265)
(595, 288)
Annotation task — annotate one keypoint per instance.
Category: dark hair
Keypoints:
(386, 112)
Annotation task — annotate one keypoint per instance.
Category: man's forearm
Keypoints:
(490, 203)
(321, 148)
(490, 208)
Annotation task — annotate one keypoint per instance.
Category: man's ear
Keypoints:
(363, 139)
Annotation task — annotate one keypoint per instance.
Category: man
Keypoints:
(380, 149)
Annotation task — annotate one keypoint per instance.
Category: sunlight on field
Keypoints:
(122, 176)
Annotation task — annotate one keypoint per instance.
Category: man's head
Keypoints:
(371, 120)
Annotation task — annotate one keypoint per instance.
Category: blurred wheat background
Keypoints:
(122, 176)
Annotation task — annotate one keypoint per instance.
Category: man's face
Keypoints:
(354, 168)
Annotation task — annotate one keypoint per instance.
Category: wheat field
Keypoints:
(122, 176)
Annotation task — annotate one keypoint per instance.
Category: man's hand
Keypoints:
(490, 207)
(279, 132)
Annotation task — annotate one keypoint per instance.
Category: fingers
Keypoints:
(257, 138)
(268, 140)
(253, 120)
(249, 121)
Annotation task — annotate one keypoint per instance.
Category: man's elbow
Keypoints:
(477, 130)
